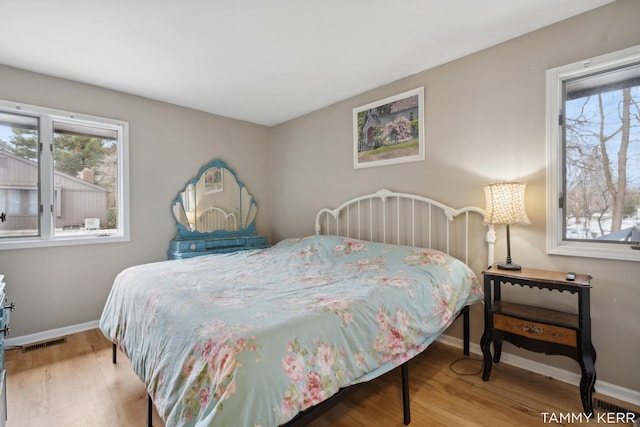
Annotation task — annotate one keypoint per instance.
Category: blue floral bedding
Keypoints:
(252, 338)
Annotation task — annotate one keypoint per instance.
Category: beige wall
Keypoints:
(64, 286)
(485, 122)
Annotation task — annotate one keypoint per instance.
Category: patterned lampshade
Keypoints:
(505, 203)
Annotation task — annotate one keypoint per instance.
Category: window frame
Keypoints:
(555, 78)
(47, 217)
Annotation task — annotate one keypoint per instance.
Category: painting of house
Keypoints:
(377, 119)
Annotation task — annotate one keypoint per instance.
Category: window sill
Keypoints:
(38, 242)
(595, 250)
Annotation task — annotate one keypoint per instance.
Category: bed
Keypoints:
(269, 337)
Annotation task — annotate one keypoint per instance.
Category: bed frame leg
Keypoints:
(404, 369)
(114, 353)
(465, 320)
(149, 411)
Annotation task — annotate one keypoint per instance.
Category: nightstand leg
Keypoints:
(588, 380)
(487, 335)
(485, 345)
(497, 350)
(465, 318)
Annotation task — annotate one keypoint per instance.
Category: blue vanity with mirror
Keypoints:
(214, 214)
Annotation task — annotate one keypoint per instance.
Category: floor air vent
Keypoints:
(43, 344)
(605, 406)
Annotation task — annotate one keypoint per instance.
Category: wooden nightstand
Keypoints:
(539, 329)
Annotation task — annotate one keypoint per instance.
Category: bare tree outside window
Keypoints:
(602, 156)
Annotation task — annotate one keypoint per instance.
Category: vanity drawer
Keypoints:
(256, 241)
(225, 243)
(181, 249)
(187, 245)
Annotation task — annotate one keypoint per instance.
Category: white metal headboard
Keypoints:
(412, 220)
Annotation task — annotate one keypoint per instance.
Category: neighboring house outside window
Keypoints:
(593, 176)
(63, 178)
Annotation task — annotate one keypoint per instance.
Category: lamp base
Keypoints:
(508, 266)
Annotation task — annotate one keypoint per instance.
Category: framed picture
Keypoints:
(389, 131)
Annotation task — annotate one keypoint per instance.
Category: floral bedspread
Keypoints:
(252, 338)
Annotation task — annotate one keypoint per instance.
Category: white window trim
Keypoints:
(555, 77)
(47, 239)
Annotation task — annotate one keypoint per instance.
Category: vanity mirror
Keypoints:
(214, 213)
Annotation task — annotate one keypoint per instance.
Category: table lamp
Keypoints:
(505, 205)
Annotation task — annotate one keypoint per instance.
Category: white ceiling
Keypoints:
(263, 61)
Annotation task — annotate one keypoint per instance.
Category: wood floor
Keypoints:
(75, 384)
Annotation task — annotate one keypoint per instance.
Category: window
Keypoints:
(593, 176)
(63, 178)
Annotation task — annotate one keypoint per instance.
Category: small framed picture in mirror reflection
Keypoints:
(213, 180)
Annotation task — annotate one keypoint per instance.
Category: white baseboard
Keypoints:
(607, 389)
(602, 387)
(50, 334)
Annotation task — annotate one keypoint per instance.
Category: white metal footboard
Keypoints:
(408, 219)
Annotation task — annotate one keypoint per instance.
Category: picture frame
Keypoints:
(213, 180)
(389, 131)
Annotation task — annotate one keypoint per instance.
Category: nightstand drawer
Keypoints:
(535, 330)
